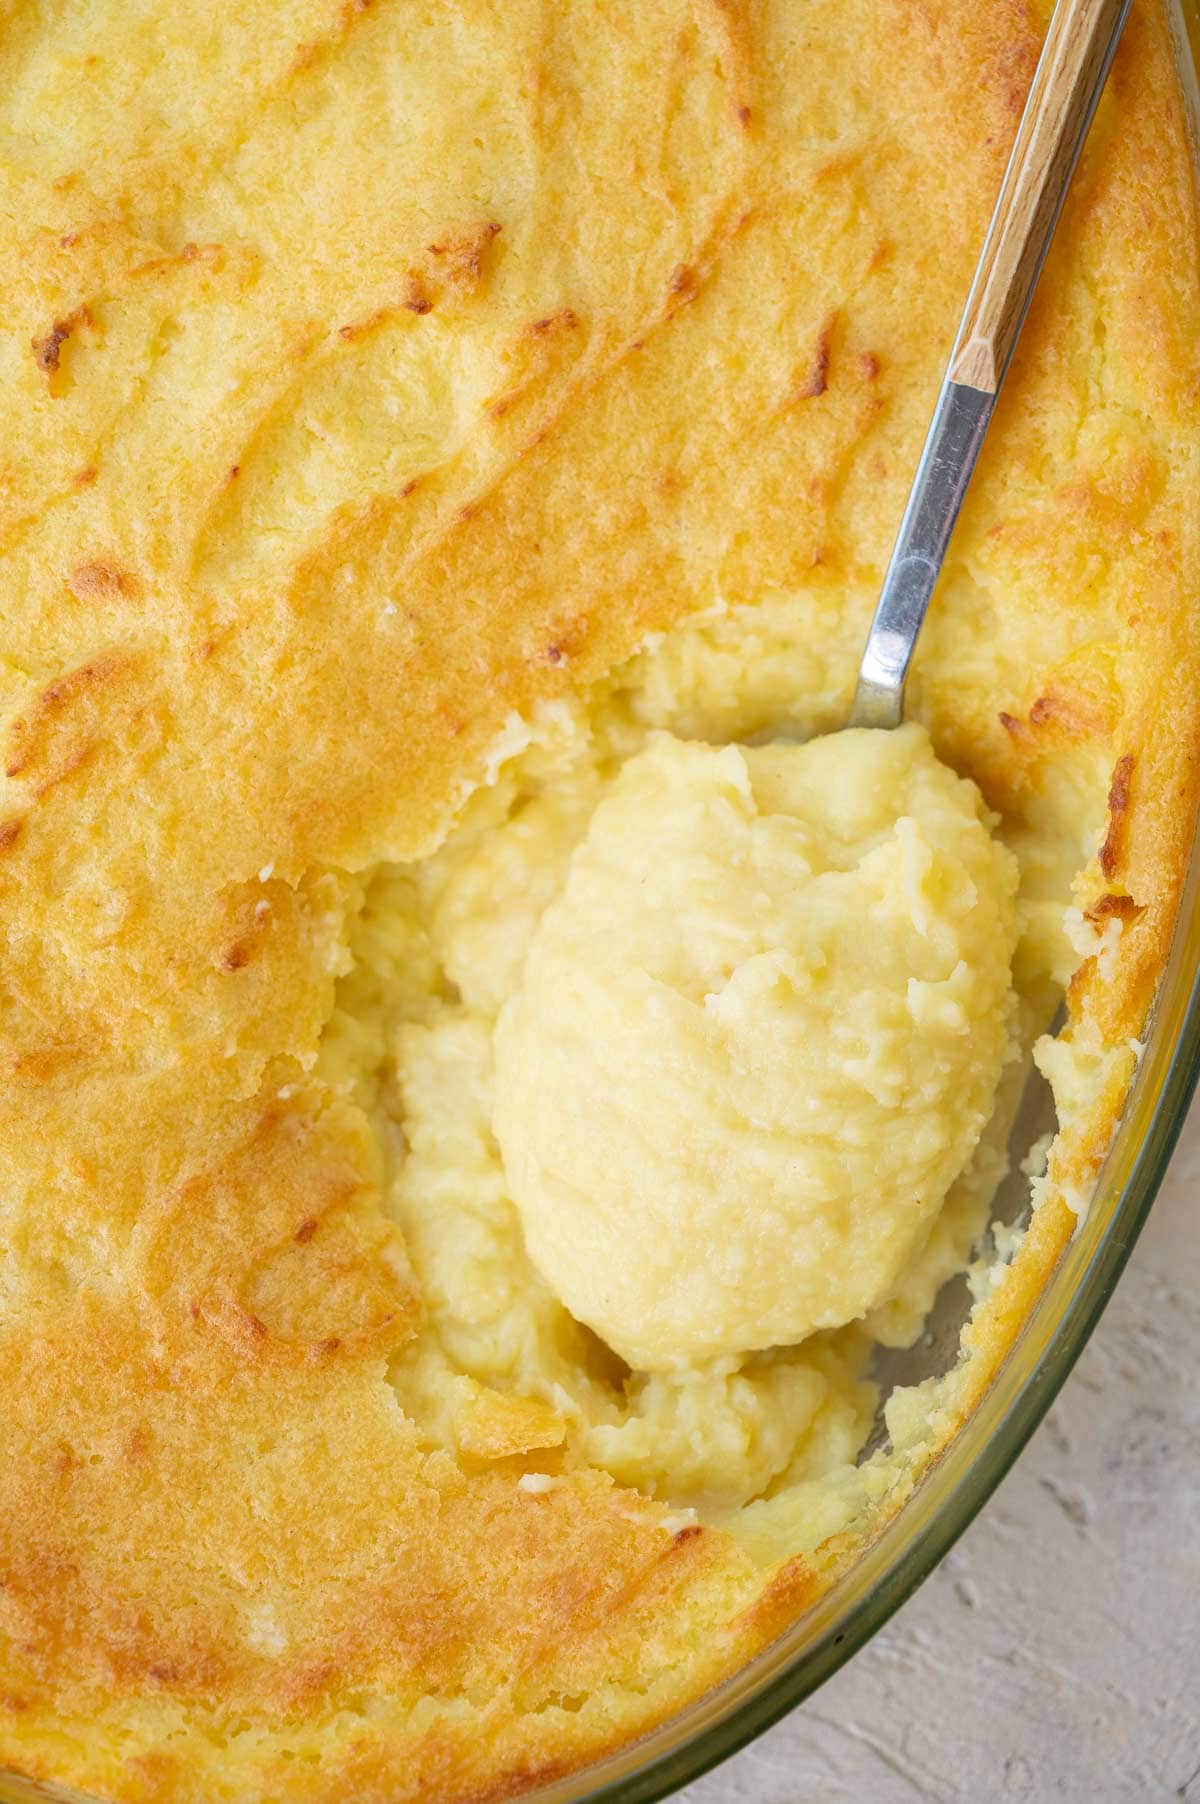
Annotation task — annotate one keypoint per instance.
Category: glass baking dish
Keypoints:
(960, 1481)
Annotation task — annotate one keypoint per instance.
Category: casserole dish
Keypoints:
(263, 1536)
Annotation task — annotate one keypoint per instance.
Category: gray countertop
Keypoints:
(1056, 1651)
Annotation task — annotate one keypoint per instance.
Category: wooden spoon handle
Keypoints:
(1079, 46)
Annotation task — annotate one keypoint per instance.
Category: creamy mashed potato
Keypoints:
(834, 831)
(756, 1039)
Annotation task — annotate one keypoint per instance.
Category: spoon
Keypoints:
(1070, 75)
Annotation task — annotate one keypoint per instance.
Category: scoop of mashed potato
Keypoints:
(757, 1037)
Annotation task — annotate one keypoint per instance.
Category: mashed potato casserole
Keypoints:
(449, 456)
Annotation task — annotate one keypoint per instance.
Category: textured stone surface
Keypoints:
(1056, 1651)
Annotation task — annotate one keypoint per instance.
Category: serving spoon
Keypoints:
(1070, 75)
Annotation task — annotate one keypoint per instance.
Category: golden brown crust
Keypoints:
(674, 326)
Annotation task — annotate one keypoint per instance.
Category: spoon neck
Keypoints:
(955, 435)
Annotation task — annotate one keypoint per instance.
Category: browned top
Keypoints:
(371, 371)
